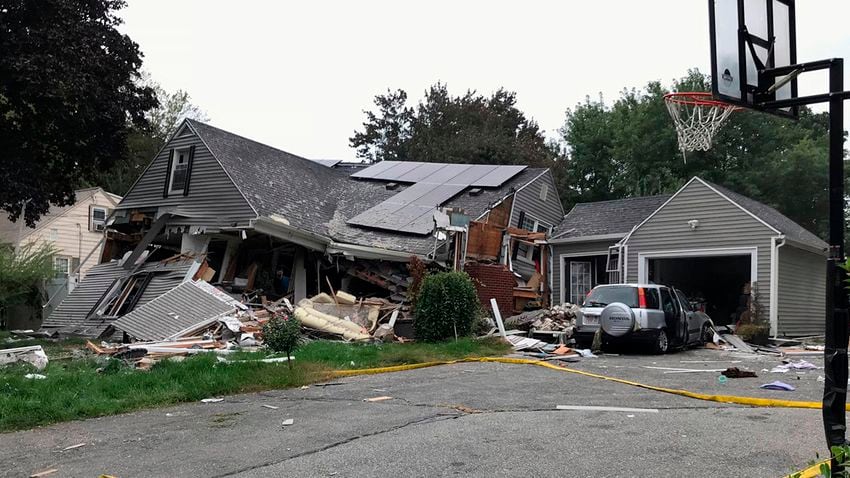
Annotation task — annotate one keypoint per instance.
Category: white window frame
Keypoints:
(98, 225)
(53, 235)
(174, 163)
(575, 295)
(67, 269)
(528, 255)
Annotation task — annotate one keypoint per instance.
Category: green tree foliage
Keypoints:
(68, 89)
(629, 148)
(23, 272)
(447, 307)
(144, 142)
(471, 128)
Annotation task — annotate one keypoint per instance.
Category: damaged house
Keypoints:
(262, 223)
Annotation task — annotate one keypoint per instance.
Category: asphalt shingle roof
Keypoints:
(601, 218)
(319, 199)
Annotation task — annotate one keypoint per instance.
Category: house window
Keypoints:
(544, 192)
(98, 219)
(179, 170)
(54, 235)
(61, 266)
(581, 280)
(526, 251)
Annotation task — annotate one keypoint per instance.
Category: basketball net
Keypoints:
(698, 118)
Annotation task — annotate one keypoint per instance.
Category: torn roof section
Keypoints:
(328, 203)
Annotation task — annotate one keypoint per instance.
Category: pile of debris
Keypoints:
(558, 318)
(199, 318)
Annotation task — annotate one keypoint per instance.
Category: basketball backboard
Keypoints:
(748, 36)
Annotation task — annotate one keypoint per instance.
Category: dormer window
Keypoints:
(179, 171)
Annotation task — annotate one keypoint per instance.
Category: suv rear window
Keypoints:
(602, 296)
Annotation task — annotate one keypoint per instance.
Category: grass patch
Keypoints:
(74, 389)
(53, 348)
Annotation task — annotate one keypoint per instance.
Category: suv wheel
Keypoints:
(662, 342)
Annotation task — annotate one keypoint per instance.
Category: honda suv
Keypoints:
(657, 314)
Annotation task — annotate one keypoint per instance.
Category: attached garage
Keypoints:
(712, 243)
(716, 225)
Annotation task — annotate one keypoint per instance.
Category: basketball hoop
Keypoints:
(698, 118)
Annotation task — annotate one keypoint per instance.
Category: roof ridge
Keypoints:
(653, 196)
(207, 125)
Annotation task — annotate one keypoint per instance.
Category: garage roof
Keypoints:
(605, 218)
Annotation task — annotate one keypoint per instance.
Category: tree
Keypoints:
(68, 88)
(22, 273)
(630, 149)
(144, 142)
(455, 129)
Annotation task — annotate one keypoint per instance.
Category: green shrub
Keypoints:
(281, 334)
(447, 307)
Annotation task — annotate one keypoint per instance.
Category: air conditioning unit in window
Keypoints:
(99, 227)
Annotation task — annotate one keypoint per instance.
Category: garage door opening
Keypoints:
(717, 283)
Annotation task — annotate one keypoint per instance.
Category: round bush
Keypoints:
(447, 306)
(281, 334)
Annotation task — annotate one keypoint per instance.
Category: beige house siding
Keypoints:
(67, 228)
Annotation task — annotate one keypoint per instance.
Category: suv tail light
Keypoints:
(641, 298)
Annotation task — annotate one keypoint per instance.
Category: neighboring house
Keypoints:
(76, 231)
(705, 239)
(256, 212)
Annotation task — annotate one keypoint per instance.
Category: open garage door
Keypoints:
(717, 283)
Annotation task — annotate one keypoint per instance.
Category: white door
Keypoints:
(581, 280)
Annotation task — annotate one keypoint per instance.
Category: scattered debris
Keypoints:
(211, 400)
(789, 365)
(44, 473)
(78, 445)
(735, 372)
(738, 343)
(288, 422)
(33, 355)
(560, 319)
(377, 399)
(777, 385)
(35, 376)
(270, 407)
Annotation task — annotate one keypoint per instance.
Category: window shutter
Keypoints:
(189, 170)
(90, 217)
(168, 173)
(520, 219)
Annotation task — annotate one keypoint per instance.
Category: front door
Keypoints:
(581, 280)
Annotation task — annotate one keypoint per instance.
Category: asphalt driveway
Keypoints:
(470, 419)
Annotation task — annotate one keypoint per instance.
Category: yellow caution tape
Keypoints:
(810, 472)
(751, 401)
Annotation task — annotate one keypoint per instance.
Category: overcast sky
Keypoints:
(297, 75)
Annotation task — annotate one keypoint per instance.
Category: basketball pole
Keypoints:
(836, 331)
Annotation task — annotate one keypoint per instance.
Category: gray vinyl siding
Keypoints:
(801, 292)
(213, 199)
(721, 225)
(528, 200)
(571, 248)
(550, 211)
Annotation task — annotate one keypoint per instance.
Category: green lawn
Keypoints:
(74, 389)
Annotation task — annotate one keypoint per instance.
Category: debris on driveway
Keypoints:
(735, 372)
(288, 422)
(377, 399)
(211, 400)
(789, 365)
(777, 385)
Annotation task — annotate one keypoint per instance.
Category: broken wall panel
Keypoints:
(75, 308)
(181, 308)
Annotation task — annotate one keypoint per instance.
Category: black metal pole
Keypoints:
(836, 331)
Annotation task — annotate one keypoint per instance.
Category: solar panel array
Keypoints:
(412, 210)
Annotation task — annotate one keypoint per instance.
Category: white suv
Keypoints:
(654, 313)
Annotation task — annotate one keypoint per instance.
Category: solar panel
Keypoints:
(498, 177)
(440, 194)
(476, 172)
(397, 171)
(447, 173)
(422, 171)
(371, 171)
